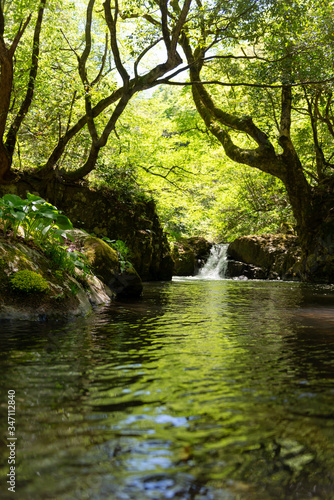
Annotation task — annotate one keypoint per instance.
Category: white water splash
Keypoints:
(216, 266)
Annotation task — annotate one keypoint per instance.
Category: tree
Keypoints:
(281, 54)
(164, 150)
(133, 29)
(7, 54)
(261, 79)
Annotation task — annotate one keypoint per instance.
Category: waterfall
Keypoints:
(216, 266)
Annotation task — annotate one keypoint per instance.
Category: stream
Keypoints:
(204, 389)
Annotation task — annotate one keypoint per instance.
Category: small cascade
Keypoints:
(216, 266)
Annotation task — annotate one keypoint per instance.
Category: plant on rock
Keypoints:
(123, 252)
(37, 218)
(28, 282)
(45, 225)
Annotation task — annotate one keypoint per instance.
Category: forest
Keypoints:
(167, 249)
(220, 111)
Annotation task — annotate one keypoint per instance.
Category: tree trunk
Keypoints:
(5, 164)
(313, 208)
(6, 81)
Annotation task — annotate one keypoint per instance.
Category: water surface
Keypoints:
(200, 390)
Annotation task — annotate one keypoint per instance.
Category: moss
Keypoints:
(100, 255)
(58, 275)
(28, 282)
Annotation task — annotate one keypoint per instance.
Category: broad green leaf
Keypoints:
(64, 222)
(14, 200)
(19, 215)
(46, 229)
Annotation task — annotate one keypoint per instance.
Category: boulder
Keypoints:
(267, 257)
(122, 279)
(189, 254)
(63, 297)
(184, 260)
(237, 269)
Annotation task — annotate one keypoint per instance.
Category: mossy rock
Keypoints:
(106, 266)
(27, 282)
(102, 258)
(32, 289)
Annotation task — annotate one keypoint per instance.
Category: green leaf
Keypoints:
(64, 222)
(13, 200)
(46, 229)
(33, 197)
(19, 215)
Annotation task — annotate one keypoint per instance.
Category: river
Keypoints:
(203, 389)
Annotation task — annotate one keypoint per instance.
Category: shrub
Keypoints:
(28, 282)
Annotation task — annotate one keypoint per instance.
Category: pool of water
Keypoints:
(200, 390)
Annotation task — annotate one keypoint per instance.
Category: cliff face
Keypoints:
(102, 212)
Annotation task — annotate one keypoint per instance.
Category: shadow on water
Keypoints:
(200, 390)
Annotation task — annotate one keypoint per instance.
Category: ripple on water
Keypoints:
(200, 390)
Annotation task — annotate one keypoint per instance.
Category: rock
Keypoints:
(184, 260)
(200, 246)
(189, 254)
(102, 258)
(125, 282)
(265, 257)
(236, 269)
(105, 213)
(64, 298)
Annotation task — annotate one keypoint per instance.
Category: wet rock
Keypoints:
(189, 254)
(264, 257)
(236, 269)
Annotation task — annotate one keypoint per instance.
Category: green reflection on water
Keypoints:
(200, 390)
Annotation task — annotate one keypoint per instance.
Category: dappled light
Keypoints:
(166, 249)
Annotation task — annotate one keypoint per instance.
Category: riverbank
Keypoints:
(33, 288)
(48, 269)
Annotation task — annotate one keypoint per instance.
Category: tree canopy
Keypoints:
(260, 75)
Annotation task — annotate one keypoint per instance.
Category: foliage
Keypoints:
(28, 282)
(67, 260)
(93, 109)
(123, 252)
(165, 152)
(90, 61)
(37, 218)
(45, 225)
